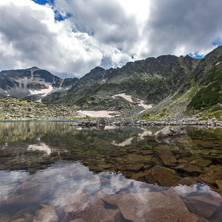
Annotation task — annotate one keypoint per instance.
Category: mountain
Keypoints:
(147, 81)
(175, 87)
(200, 97)
(208, 75)
(166, 87)
(32, 83)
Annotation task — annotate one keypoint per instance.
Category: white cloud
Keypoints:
(31, 37)
(103, 33)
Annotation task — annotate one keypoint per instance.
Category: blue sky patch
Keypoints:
(43, 2)
(217, 42)
(196, 55)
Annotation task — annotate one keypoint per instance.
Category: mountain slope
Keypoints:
(208, 75)
(33, 83)
(147, 82)
(201, 97)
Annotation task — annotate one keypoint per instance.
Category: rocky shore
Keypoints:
(103, 122)
(18, 109)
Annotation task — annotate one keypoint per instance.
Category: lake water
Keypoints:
(52, 171)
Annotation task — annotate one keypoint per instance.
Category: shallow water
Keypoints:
(51, 171)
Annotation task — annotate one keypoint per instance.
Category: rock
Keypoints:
(4, 217)
(25, 214)
(134, 158)
(162, 176)
(27, 187)
(164, 153)
(217, 159)
(18, 220)
(219, 184)
(25, 191)
(201, 205)
(186, 181)
(87, 207)
(141, 176)
(172, 215)
(189, 168)
(78, 220)
(168, 132)
(210, 177)
(201, 162)
(46, 214)
(153, 206)
(202, 143)
(96, 169)
(134, 167)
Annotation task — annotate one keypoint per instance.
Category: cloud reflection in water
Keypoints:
(75, 191)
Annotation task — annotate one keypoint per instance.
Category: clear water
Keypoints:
(52, 171)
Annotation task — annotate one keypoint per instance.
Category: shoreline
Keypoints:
(124, 122)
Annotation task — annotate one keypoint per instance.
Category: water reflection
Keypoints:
(67, 191)
(103, 173)
(42, 147)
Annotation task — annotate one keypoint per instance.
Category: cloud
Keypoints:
(103, 33)
(30, 36)
(183, 27)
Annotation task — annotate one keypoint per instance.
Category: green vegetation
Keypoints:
(211, 93)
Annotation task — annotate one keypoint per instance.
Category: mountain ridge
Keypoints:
(175, 87)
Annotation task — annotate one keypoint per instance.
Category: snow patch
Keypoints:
(145, 106)
(42, 92)
(98, 114)
(124, 96)
(129, 99)
(110, 127)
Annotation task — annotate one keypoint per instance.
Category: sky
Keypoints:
(71, 37)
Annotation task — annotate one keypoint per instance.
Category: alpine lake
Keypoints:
(53, 171)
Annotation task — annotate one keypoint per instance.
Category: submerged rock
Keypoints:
(189, 168)
(164, 153)
(163, 206)
(202, 206)
(163, 176)
(86, 207)
(46, 214)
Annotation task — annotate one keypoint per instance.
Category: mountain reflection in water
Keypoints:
(51, 171)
